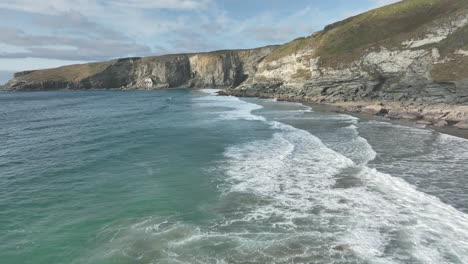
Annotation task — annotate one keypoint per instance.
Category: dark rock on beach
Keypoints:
(415, 69)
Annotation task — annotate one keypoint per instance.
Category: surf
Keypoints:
(293, 198)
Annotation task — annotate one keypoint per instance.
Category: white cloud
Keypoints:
(68, 48)
(274, 34)
(273, 28)
(161, 4)
(52, 6)
(112, 28)
(86, 30)
(97, 7)
(15, 65)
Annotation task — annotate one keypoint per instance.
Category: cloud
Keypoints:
(75, 23)
(191, 45)
(67, 48)
(91, 30)
(161, 4)
(64, 19)
(191, 26)
(51, 7)
(274, 28)
(186, 40)
(16, 65)
(273, 34)
(63, 32)
(95, 7)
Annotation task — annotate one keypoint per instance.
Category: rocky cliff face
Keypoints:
(214, 69)
(411, 51)
(414, 50)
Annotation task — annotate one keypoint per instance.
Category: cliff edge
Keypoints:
(413, 50)
(227, 68)
(406, 60)
(394, 61)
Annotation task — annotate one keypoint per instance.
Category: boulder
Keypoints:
(462, 125)
(441, 123)
(375, 110)
(424, 122)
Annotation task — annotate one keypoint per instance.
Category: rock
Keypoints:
(341, 247)
(420, 64)
(441, 123)
(406, 71)
(462, 125)
(394, 114)
(219, 69)
(223, 93)
(375, 110)
(353, 108)
(411, 115)
(424, 122)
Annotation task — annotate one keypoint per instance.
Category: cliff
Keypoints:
(414, 50)
(223, 69)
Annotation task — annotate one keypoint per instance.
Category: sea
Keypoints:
(184, 176)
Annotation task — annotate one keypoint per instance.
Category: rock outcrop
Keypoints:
(414, 50)
(409, 55)
(214, 69)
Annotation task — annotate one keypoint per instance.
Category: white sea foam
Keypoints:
(292, 199)
(238, 108)
(385, 219)
(444, 138)
(210, 91)
(357, 148)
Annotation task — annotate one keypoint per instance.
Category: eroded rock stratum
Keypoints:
(414, 50)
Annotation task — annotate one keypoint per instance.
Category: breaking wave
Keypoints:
(293, 199)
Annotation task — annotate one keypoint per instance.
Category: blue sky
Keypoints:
(44, 34)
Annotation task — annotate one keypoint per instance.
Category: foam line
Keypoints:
(291, 198)
(295, 172)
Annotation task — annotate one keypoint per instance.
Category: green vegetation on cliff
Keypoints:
(388, 26)
(395, 37)
(457, 66)
(291, 48)
(73, 73)
(224, 68)
(455, 41)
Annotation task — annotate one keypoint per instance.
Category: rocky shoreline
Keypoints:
(405, 118)
(438, 116)
(414, 70)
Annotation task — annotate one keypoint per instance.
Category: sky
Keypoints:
(45, 34)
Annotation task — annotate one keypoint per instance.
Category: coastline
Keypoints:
(449, 130)
(444, 118)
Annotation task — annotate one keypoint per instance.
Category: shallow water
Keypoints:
(186, 177)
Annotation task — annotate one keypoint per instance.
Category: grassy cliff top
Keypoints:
(339, 43)
(387, 26)
(78, 72)
(75, 72)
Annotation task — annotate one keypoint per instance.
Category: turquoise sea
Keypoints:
(182, 176)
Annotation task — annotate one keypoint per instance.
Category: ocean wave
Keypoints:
(294, 173)
(238, 109)
(294, 199)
